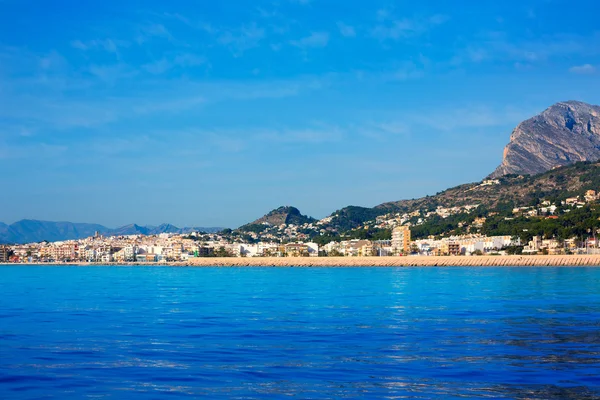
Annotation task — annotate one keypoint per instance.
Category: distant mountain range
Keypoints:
(29, 231)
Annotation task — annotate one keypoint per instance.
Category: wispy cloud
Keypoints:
(384, 130)
(174, 105)
(346, 30)
(108, 45)
(184, 60)
(112, 73)
(499, 46)
(226, 143)
(52, 61)
(242, 39)
(30, 150)
(267, 13)
(469, 116)
(391, 28)
(50, 110)
(236, 140)
(178, 17)
(408, 71)
(314, 40)
(583, 69)
(152, 30)
(274, 89)
(301, 136)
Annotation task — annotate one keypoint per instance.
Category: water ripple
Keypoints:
(255, 333)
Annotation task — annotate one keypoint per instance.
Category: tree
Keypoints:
(335, 253)
(414, 249)
(223, 252)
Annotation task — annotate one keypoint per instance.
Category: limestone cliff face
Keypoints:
(563, 134)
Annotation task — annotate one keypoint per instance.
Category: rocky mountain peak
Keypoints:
(563, 134)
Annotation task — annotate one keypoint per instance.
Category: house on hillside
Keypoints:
(591, 195)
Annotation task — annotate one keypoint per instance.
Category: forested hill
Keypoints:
(556, 184)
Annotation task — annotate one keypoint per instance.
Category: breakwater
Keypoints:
(419, 261)
(410, 261)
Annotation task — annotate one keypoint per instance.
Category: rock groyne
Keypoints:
(418, 261)
(449, 261)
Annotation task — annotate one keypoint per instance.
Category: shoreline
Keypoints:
(408, 261)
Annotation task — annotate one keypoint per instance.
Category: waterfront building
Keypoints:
(454, 249)
(296, 250)
(534, 245)
(401, 240)
(3, 254)
(203, 251)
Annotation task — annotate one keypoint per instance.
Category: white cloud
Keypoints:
(314, 40)
(169, 105)
(346, 30)
(383, 131)
(390, 28)
(240, 40)
(50, 110)
(112, 73)
(158, 67)
(396, 30)
(473, 116)
(583, 69)
(226, 143)
(108, 45)
(146, 32)
(406, 74)
(301, 136)
(438, 19)
(182, 60)
(498, 46)
(52, 61)
(383, 14)
(36, 150)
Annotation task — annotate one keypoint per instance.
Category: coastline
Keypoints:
(410, 261)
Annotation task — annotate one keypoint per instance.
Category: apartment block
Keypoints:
(401, 240)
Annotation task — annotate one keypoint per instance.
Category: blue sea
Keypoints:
(307, 333)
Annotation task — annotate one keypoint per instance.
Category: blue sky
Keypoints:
(213, 113)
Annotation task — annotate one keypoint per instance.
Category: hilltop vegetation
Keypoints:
(512, 190)
(576, 223)
(455, 211)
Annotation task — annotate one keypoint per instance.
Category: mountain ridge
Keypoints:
(30, 230)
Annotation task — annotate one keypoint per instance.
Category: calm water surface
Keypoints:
(154, 332)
